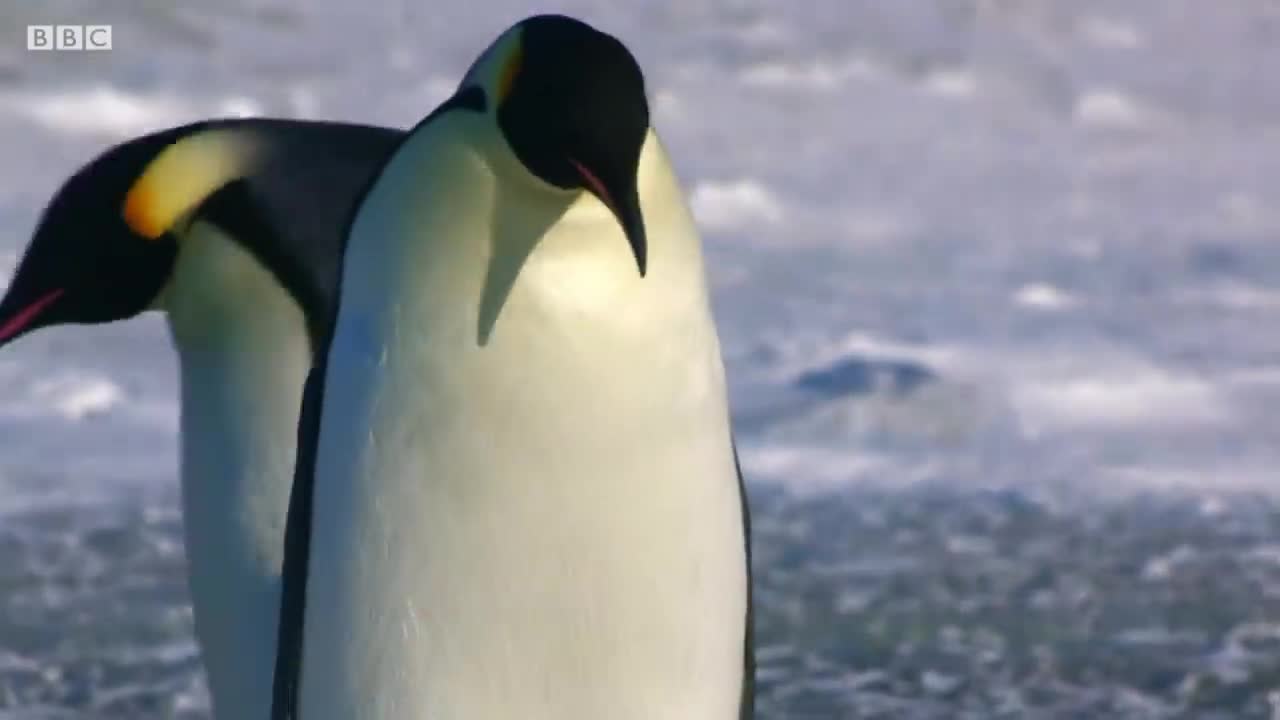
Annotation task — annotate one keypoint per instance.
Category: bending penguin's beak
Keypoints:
(624, 200)
(18, 316)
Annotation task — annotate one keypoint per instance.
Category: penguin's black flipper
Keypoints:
(747, 705)
(297, 554)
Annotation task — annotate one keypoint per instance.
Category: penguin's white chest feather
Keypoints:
(542, 522)
(244, 355)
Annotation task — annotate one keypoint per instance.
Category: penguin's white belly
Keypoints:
(538, 533)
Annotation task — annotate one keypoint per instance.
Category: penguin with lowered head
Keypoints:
(518, 495)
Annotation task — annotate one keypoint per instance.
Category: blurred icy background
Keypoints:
(998, 284)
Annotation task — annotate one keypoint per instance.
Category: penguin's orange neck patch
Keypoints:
(140, 210)
(182, 175)
(510, 70)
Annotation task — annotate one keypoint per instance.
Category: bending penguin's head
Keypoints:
(104, 248)
(570, 102)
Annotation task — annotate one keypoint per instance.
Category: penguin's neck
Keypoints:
(244, 354)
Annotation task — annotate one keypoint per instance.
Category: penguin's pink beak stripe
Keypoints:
(594, 184)
(24, 317)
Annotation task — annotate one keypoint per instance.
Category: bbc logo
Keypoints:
(68, 37)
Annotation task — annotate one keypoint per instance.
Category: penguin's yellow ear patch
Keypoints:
(182, 175)
(498, 67)
(510, 70)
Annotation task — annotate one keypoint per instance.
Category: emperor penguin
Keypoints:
(518, 495)
(234, 230)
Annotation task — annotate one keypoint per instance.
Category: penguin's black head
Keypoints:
(570, 101)
(87, 263)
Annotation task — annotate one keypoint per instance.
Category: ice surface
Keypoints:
(998, 284)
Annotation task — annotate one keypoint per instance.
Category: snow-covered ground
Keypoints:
(998, 283)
